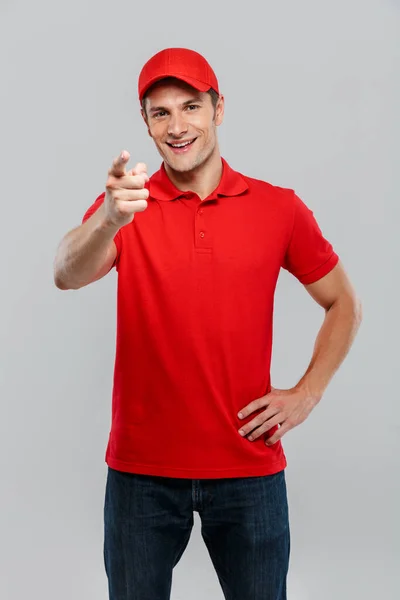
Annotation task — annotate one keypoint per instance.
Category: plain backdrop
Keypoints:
(312, 103)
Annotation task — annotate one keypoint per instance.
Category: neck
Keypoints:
(201, 180)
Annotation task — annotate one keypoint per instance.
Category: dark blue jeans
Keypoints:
(244, 524)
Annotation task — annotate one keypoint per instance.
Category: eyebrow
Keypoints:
(194, 100)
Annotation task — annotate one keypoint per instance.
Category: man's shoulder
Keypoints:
(268, 189)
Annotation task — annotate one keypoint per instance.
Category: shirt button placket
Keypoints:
(200, 229)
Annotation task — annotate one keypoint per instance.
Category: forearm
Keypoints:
(83, 251)
(332, 344)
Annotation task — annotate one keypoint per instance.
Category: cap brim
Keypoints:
(198, 85)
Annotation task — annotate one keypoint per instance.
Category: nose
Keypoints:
(177, 125)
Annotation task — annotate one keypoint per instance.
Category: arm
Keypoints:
(86, 253)
(310, 258)
(288, 408)
(343, 315)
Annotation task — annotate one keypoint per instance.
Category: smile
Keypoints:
(179, 147)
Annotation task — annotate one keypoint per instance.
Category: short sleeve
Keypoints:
(117, 238)
(309, 256)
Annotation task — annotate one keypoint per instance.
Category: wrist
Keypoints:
(310, 390)
(104, 224)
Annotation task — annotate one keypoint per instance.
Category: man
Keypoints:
(196, 424)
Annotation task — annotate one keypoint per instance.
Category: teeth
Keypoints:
(181, 145)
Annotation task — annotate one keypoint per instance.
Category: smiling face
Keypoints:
(182, 122)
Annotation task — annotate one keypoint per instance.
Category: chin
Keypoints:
(186, 164)
(184, 168)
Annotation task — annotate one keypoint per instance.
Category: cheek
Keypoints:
(156, 131)
(200, 123)
(205, 130)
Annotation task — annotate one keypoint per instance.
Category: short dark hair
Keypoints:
(214, 95)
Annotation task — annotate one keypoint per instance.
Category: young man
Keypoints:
(196, 425)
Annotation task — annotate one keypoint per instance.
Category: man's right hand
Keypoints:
(125, 191)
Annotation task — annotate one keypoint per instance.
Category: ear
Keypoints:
(219, 110)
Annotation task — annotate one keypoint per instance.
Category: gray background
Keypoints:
(312, 103)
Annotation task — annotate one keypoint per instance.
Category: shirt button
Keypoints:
(201, 211)
(201, 234)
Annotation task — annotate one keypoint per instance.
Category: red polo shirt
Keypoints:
(196, 282)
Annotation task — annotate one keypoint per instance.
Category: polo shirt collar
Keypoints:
(231, 184)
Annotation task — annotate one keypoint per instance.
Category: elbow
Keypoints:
(351, 304)
(58, 282)
(358, 311)
(61, 284)
(57, 278)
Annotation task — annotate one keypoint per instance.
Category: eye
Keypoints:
(158, 114)
(192, 106)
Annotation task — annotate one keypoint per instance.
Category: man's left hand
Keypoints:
(286, 408)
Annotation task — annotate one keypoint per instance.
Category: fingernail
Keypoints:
(241, 432)
(240, 415)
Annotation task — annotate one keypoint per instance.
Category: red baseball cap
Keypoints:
(182, 63)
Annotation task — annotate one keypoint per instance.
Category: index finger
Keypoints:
(118, 165)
